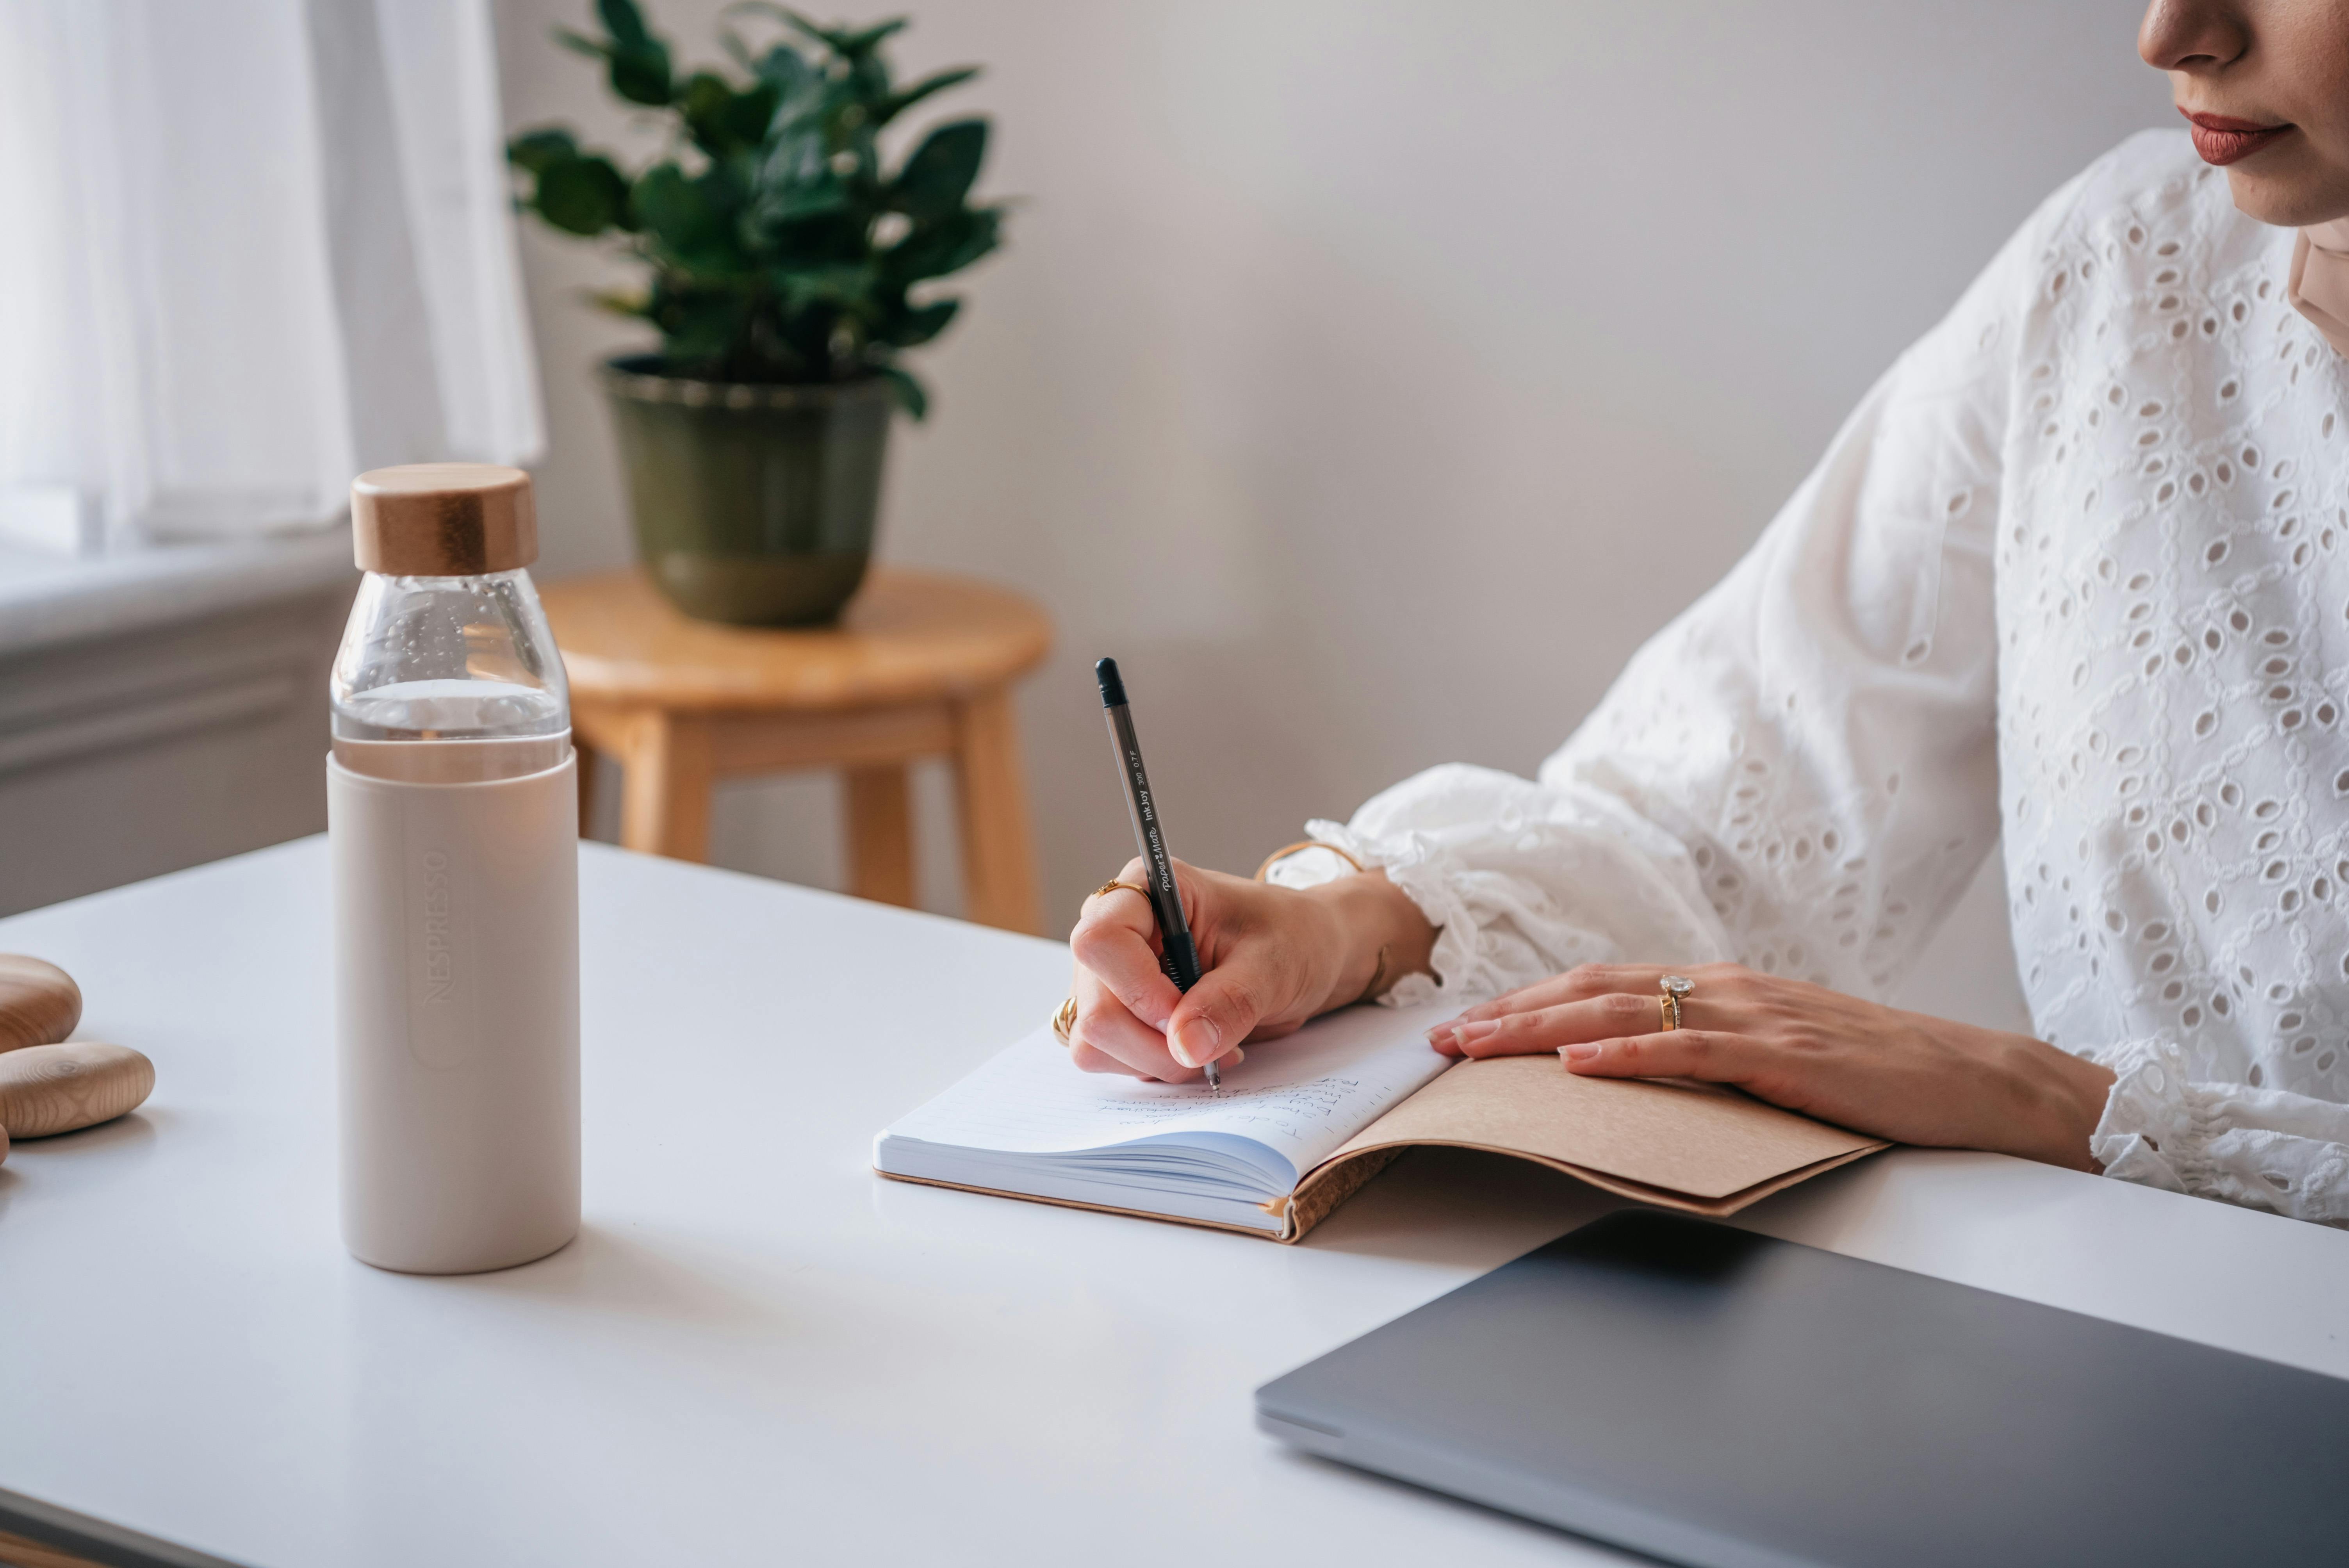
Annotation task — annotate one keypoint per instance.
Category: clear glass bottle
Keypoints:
(463, 661)
(453, 835)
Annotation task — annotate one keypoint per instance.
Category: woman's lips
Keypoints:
(2221, 140)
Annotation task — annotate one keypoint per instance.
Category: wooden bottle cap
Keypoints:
(444, 520)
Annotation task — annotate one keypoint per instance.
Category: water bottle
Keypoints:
(452, 812)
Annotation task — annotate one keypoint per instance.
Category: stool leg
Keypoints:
(880, 836)
(997, 860)
(665, 809)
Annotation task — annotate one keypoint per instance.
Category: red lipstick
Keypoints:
(2221, 140)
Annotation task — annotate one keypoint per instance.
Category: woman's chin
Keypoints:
(2288, 187)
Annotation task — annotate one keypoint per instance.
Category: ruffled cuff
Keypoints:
(1417, 867)
(1340, 851)
(1337, 851)
(1522, 880)
(2155, 1130)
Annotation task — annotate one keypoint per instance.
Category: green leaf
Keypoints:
(665, 200)
(701, 328)
(899, 103)
(868, 79)
(790, 18)
(947, 246)
(921, 324)
(579, 43)
(721, 121)
(583, 196)
(941, 170)
(702, 100)
(691, 220)
(640, 64)
(796, 183)
(840, 40)
(797, 203)
(535, 151)
(639, 75)
(855, 44)
(786, 69)
(642, 76)
(746, 119)
(909, 393)
(624, 22)
(795, 157)
(848, 288)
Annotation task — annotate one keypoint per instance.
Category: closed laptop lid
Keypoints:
(1727, 1399)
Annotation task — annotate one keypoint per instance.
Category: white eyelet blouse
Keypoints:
(2076, 571)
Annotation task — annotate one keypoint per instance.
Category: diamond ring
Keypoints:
(1676, 990)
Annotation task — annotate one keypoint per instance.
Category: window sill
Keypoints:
(47, 600)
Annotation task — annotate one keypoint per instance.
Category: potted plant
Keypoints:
(783, 253)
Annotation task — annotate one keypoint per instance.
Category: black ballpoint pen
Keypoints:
(1178, 955)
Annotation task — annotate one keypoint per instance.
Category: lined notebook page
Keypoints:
(1301, 1098)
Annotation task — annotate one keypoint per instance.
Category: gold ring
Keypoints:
(1113, 885)
(1064, 1019)
(1673, 992)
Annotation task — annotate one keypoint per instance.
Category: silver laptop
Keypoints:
(1720, 1398)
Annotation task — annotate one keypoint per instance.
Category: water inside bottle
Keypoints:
(450, 680)
(451, 710)
(476, 731)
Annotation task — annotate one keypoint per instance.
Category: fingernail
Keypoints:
(1468, 1033)
(1580, 1052)
(1195, 1043)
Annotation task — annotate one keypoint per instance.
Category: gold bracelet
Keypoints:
(1299, 848)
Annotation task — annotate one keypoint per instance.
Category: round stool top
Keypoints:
(908, 636)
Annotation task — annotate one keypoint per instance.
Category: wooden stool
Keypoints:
(920, 665)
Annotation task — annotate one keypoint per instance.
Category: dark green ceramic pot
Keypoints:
(753, 503)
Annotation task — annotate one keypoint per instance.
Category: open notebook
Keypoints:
(1305, 1121)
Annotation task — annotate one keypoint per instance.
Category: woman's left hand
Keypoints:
(1861, 1064)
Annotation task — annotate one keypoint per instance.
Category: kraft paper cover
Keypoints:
(1702, 1141)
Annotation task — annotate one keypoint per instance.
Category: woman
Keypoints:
(2076, 571)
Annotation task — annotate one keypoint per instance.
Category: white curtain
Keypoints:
(247, 249)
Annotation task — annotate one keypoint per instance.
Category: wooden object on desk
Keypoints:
(921, 665)
(49, 1090)
(39, 1003)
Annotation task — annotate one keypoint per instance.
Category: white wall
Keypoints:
(1372, 378)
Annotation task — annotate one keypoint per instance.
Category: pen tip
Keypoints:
(1113, 684)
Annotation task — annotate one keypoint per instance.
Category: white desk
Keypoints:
(758, 1352)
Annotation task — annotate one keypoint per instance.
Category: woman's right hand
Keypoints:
(1270, 958)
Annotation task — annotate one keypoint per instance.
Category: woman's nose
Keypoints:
(2192, 34)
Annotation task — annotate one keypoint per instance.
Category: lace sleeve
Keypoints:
(1800, 772)
(2261, 1148)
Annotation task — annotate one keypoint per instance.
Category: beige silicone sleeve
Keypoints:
(456, 938)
